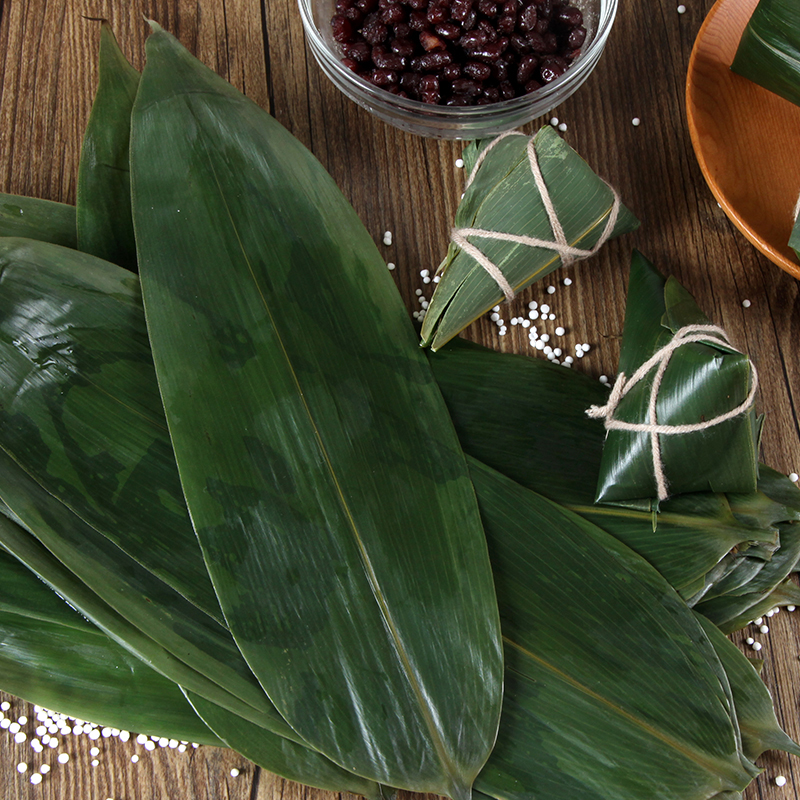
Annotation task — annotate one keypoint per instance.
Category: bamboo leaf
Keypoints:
(105, 225)
(143, 601)
(43, 220)
(561, 459)
(769, 50)
(46, 662)
(73, 414)
(20, 543)
(307, 339)
(504, 197)
(52, 656)
(734, 610)
(22, 593)
(285, 758)
(611, 689)
(754, 710)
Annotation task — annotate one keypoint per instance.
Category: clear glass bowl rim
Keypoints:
(331, 62)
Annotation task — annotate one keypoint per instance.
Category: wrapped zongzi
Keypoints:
(680, 418)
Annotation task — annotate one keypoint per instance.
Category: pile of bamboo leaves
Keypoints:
(239, 472)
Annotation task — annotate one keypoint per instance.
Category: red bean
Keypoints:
(437, 13)
(474, 39)
(528, 18)
(526, 69)
(342, 29)
(358, 51)
(393, 15)
(418, 21)
(432, 61)
(355, 15)
(571, 16)
(402, 47)
(500, 70)
(391, 61)
(576, 38)
(467, 86)
(459, 9)
(506, 23)
(449, 30)
(384, 77)
(550, 69)
(477, 70)
(492, 51)
(458, 52)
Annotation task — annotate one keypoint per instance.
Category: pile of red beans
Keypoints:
(458, 52)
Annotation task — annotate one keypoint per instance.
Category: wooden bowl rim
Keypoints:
(692, 108)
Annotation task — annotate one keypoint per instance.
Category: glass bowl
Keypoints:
(462, 122)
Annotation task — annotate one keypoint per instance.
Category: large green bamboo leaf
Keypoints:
(43, 220)
(51, 655)
(503, 197)
(561, 459)
(21, 592)
(734, 610)
(154, 680)
(292, 761)
(134, 593)
(24, 546)
(612, 690)
(350, 564)
(769, 50)
(74, 415)
(105, 225)
(754, 710)
(85, 675)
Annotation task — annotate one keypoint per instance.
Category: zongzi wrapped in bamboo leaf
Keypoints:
(769, 50)
(680, 418)
(530, 205)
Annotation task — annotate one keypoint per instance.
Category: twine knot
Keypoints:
(559, 244)
(709, 334)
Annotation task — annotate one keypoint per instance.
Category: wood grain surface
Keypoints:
(411, 186)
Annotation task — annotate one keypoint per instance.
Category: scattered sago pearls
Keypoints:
(44, 723)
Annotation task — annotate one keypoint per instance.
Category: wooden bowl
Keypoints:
(746, 139)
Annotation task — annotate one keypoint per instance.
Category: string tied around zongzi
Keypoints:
(709, 334)
(568, 253)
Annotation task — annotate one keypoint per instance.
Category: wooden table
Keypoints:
(411, 186)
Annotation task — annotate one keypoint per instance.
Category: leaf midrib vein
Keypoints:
(369, 570)
(706, 763)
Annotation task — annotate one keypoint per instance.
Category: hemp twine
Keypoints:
(568, 253)
(709, 334)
